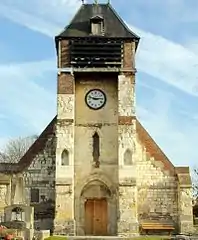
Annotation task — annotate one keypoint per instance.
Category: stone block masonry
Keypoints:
(39, 179)
(64, 218)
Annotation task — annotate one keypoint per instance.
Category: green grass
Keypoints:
(56, 238)
(151, 238)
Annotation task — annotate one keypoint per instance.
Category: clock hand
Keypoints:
(94, 98)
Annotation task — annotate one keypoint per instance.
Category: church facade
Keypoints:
(95, 170)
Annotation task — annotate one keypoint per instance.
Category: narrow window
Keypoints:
(65, 158)
(34, 195)
(96, 148)
(128, 157)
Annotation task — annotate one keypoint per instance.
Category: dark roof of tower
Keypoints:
(114, 26)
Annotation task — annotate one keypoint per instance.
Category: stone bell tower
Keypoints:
(95, 110)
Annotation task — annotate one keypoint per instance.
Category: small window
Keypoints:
(128, 157)
(65, 158)
(34, 195)
(96, 28)
(97, 23)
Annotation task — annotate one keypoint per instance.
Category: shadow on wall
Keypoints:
(44, 214)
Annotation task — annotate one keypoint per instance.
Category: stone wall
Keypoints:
(41, 175)
(128, 224)
(64, 219)
(157, 186)
(127, 218)
(149, 184)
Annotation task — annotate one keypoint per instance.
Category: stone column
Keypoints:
(185, 207)
(127, 223)
(64, 207)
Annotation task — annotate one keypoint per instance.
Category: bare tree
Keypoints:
(16, 148)
(195, 184)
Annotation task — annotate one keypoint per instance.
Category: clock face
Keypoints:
(95, 99)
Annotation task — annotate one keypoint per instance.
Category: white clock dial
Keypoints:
(95, 99)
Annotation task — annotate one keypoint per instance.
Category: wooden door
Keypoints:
(96, 217)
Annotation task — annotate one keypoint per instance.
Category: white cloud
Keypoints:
(47, 16)
(24, 98)
(168, 62)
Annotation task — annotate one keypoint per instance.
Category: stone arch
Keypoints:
(128, 157)
(97, 177)
(96, 189)
(65, 158)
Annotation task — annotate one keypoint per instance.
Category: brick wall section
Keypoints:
(125, 120)
(180, 170)
(64, 54)
(62, 122)
(128, 55)
(183, 174)
(65, 83)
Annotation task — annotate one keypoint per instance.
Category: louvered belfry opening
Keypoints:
(96, 53)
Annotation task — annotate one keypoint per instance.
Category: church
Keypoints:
(95, 170)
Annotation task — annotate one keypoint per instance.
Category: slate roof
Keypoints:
(114, 26)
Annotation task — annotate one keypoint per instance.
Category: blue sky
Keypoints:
(167, 64)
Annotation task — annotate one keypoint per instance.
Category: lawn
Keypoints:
(151, 238)
(56, 238)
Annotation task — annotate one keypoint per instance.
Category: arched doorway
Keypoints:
(96, 197)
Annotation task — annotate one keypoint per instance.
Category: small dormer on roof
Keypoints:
(97, 25)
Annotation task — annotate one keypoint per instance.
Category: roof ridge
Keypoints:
(150, 142)
(27, 157)
(65, 28)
